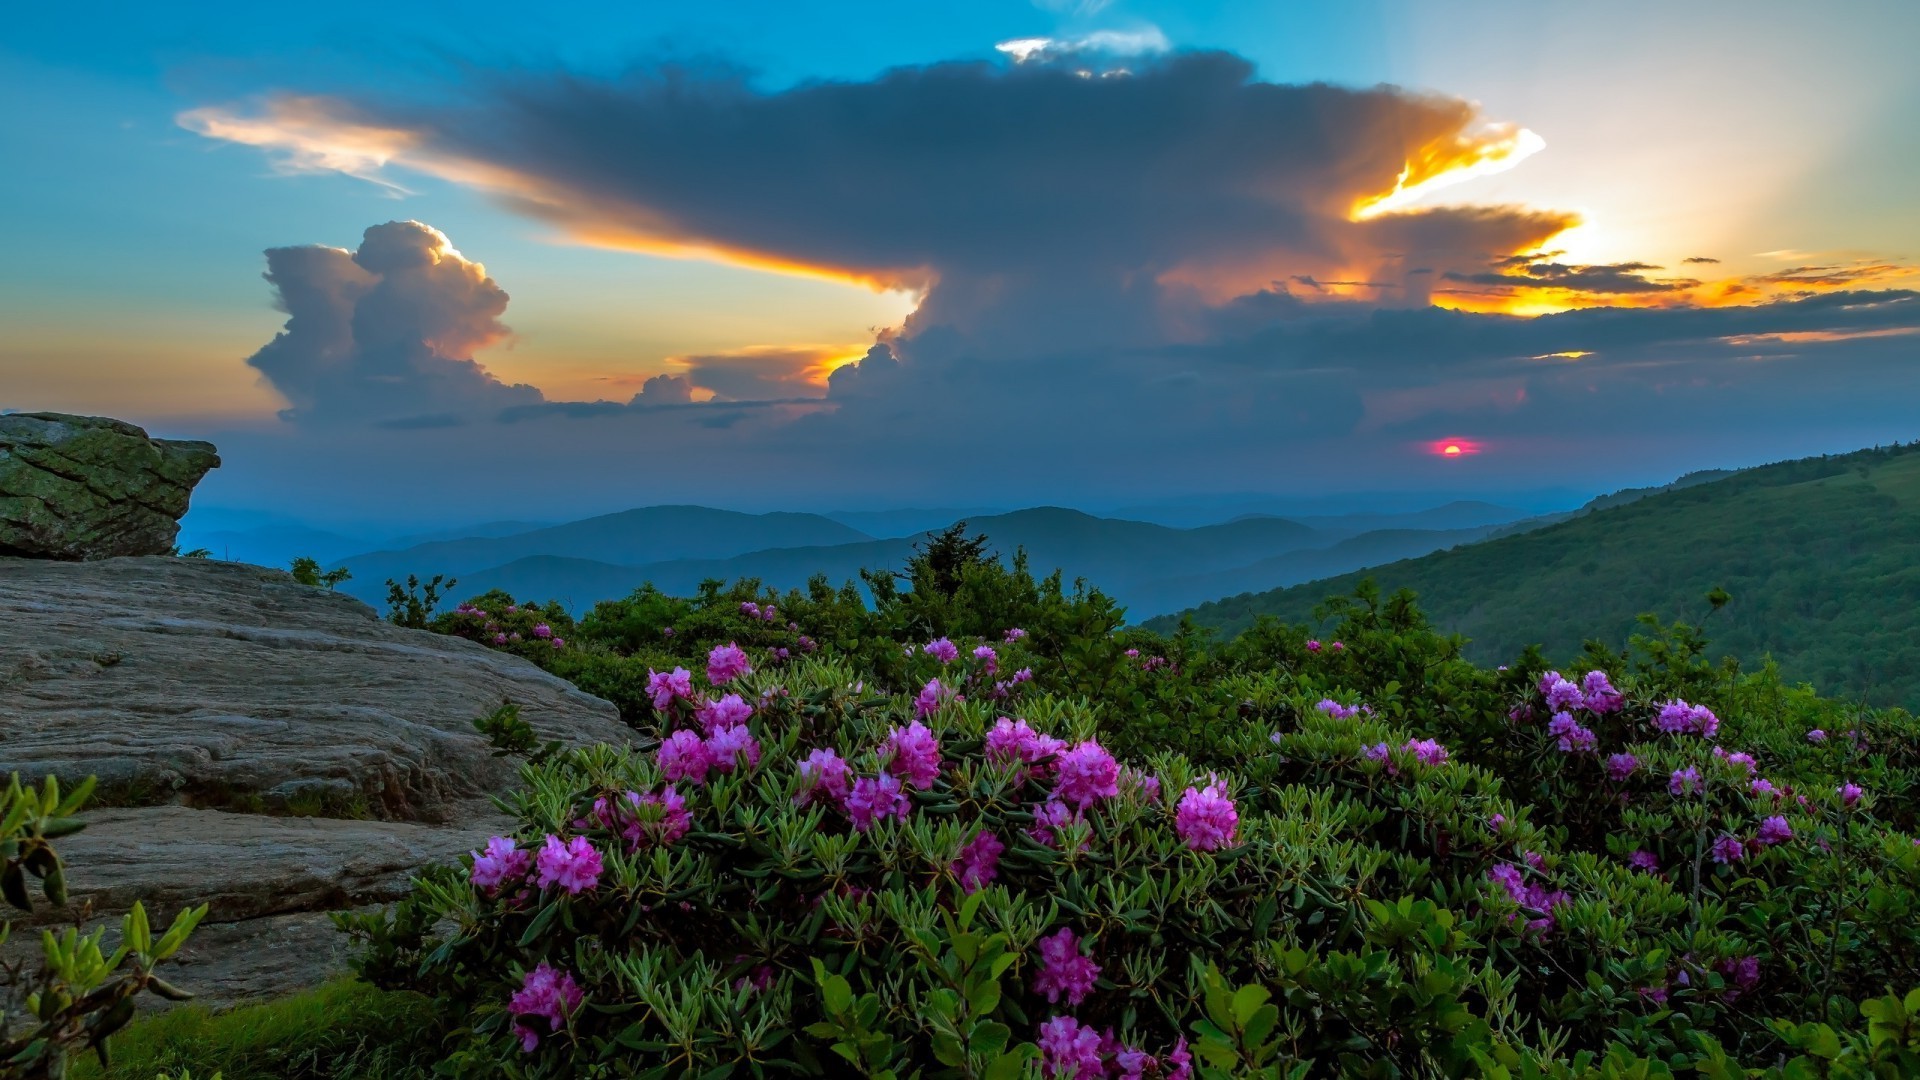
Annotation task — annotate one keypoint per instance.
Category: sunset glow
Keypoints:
(1453, 448)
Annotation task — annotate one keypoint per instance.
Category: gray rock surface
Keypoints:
(224, 685)
(201, 693)
(87, 487)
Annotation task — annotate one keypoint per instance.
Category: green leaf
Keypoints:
(1246, 1001)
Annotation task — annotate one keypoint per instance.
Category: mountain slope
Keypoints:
(1821, 555)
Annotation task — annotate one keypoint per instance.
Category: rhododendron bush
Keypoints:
(993, 840)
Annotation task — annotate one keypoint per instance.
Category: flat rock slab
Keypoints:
(226, 685)
(195, 690)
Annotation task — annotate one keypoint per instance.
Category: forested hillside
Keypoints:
(1821, 557)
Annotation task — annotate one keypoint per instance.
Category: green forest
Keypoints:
(1819, 561)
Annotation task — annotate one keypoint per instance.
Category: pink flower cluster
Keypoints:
(1593, 693)
(664, 687)
(573, 864)
(546, 994)
(979, 861)
(825, 774)
(1013, 740)
(1574, 739)
(1342, 712)
(685, 756)
(1064, 972)
(727, 663)
(1532, 896)
(1205, 818)
(930, 698)
(912, 753)
(503, 863)
(645, 819)
(873, 799)
(768, 613)
(942, 650)
(1678, 718)
(1070, 1048)
(1426, 751)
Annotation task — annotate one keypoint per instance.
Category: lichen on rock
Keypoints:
(90, 487)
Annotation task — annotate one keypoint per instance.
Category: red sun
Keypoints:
(1453, 448)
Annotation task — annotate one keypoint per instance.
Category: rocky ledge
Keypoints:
(89, 487)
(271, 749)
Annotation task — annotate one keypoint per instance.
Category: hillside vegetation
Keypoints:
(1821, 557)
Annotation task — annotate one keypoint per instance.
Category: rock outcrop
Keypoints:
(268, 748)
(87, 487)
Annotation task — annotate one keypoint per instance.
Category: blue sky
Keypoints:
(1770, 137)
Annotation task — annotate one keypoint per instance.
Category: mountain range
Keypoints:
(1146, 567)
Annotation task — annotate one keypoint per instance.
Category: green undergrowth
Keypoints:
(343, 1030)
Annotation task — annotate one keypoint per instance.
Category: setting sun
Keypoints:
(1453, 448)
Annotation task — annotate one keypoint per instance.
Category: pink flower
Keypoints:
(1645, 861)
(1013, 740)
(1069, 1049)
(730, 711)
(824, 773)
(873, 799)
(942, 650)
(1850, 793)
(1728, 849)
(1764, 787)
(1086, 774)
(1146, 783)
(1677, 717)
(1426, 751)
(1337, 646)
(750, 609)
(912, 754)
(726, 663)
(542, 630)
(664, 687)
(1573, 738)
(979, 861)
(546, 994)
(1743, 760)
(499, 639)
(662, 818)
(1621, 766)
(502, 864)
(1336, 710)
(683, 756)
(1205, 818)
(1133, 653)
(1774, 830)
(573, 865)
(1051, 815)
(1063, 971)
(1025, 674)
(726, 746)
(930, 698)
(1600, 694)
(989, 660)
(1015, 634)
(1379, 752)
(1562, 694)
(1816, 736)
(1313, 646)
(1684, 781)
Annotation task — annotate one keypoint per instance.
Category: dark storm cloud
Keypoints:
(1043, 208)
(1604, 279)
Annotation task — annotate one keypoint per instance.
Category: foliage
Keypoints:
(1362, 854)
(1821, 559)
(81, 993)
(307, 571)
(413, 605)
(341, 1030)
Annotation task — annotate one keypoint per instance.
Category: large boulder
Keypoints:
(269, 748)
(87, 487)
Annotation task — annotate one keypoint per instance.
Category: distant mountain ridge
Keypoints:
(1144, 566)
(1821, 556)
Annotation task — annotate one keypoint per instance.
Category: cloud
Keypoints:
(385, 334)
(1533, 272)
(1101, 48)
(1007, 192)
(665, 390)
(1700, 259)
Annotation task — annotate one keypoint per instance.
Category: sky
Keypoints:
(525, 262)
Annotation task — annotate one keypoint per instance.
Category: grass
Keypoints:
(341, 1030)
